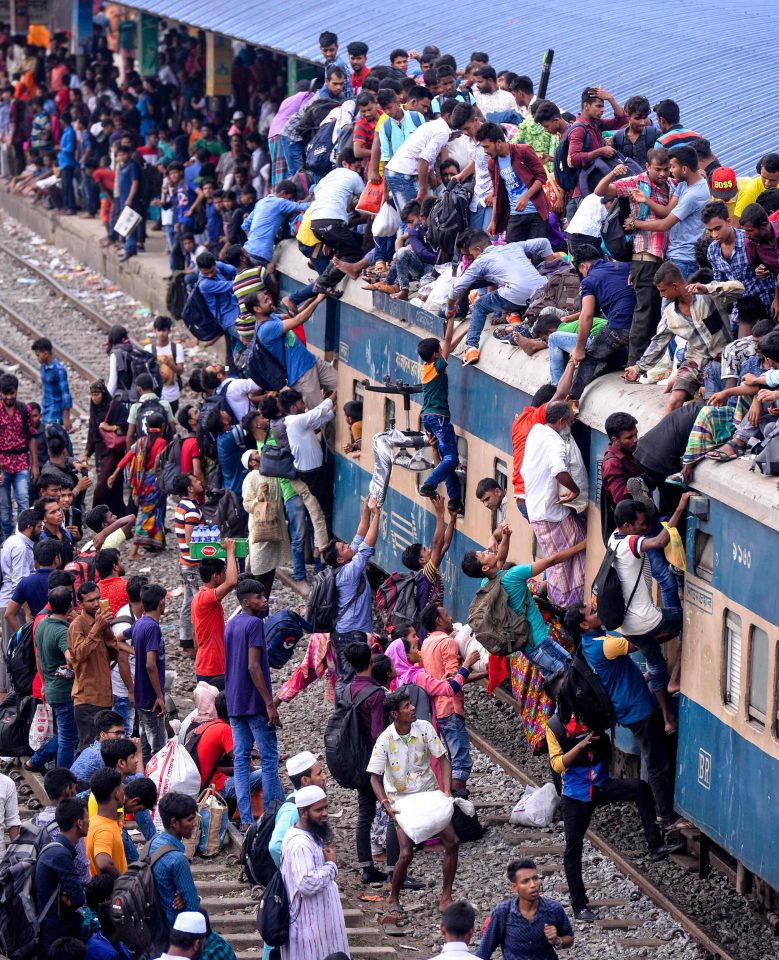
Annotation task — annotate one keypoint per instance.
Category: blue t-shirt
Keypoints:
(67, 151)
(127, 177)
(622, 679)
(514, 582)
(262, 224)
(33, 590)
(292, 355)
(682, 236)
(514, 186)
(229, 452)
(213, 222)
(147, 636)
(615, 298)
(243, 698)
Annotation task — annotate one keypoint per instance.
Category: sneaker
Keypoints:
(456, 505)
(470, 356)
(585, 915)
(427, 490)
(666, 850)
(372, 874)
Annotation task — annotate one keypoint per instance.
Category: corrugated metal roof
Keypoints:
(701, 54)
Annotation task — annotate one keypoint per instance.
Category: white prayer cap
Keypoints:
(300, 763)
(308, 796)
(190, 921)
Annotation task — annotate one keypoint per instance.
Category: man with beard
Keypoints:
(308, 866)
(187, 936)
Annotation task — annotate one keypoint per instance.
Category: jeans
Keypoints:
(479, 219)
(91, 194)
(669, 626)
(298, 533)
(299, 297)
(153, 733)
(525, 226)
(661, 570)
(192, 583)
(84, 715)
(344, 670)
(455, 736)
(548, 656)
(443, 431)
(67, 733)
(126, 712)
(686, 266)
(67, 175)
(401, 187)
(606, 351)
(20, 483)
(409, 267)
(560, 345)
(246, 732)
(384, 248)
(255, 784)
(293, 155)
(486, 304)
(576, 818)
(366, 811)
(650, 736)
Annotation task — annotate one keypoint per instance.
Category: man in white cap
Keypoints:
(187, 936)
(308, 866)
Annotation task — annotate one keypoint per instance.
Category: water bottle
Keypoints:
(214, 533)
(195, 535)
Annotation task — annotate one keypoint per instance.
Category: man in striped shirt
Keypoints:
(425, 562)
(188, 515)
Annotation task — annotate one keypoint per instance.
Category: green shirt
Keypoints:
(435, 382)
(51, 642)
(572, 326)
(215, 147)
(287, 490)
(534, 135)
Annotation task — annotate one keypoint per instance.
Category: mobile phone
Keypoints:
(105, 607)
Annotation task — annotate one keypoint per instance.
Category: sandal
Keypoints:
(677, 480)
(504, 334)
(720, 456)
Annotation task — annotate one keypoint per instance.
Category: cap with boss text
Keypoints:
(723, 183)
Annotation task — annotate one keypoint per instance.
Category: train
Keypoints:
(727, 767)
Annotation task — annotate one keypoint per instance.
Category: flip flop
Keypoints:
(504, 334)
(677, 480)
(719, 456)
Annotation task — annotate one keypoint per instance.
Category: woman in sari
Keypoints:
(105, 436)
(141, 459)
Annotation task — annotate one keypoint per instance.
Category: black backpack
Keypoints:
(608, 600)
(583, 695)
(136, 911)
(168, 465)
(145, 410)
(319, 152)
(323, 611)
(347, 745)
(447, 220)
(192, 742)
(617, 244)
(223, 508)
(197, 317)
(16, 714)
(257, 863)
(130, 364)
(258, 364)
(176, 297)
(218, 399)
(20, 660)
(20, 921)
(567, 176)
(397, 601)
(273, 917)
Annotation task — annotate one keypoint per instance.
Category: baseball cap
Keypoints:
(723, 183)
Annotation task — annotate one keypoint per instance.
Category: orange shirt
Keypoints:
(440, 657)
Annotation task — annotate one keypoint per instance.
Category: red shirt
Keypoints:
(364, 131)
(521, 427)
(208, 622)
(357, 78)
(215, 741)
(190, 450)
(114, 590)
(13, 441)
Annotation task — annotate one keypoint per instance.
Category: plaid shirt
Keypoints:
(646, 241)
(739, 268)
(217, 948)
(56, 392)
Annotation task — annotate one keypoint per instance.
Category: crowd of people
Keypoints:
(615, 242)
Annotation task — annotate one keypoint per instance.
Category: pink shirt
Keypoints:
(440, 657)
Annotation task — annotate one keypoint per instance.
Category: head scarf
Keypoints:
(203, 697)
(245, 458)
(406, 672)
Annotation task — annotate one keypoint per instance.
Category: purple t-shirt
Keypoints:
(243, 698)
(147, 636)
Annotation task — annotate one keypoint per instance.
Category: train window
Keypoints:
(502, 474)
(462, 467)
(704, 555)
(389, 414)
(731, 686)
(358, 390)
(758, 676)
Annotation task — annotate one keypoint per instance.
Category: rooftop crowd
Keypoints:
(610, 236)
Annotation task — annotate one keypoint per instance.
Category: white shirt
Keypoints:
(237, 394)
(546, 455)
(127, 619)
(494, 102)
(425, 143)
(454, 951)
(483, 180)
(9, 808)
(170, 392)
(16, 561)
(301, 433)
(634, 572)
(333, 194)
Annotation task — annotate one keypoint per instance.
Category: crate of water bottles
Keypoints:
(207, 543)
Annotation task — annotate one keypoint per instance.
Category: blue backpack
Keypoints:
(320, 149)
(197, 317)
(567, 176)
(282, 632)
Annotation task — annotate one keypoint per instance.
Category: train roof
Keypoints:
(730, 483)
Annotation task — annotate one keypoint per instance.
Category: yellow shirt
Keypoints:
(105, 836)
(92, 805)
(305, 234)
(748, 192)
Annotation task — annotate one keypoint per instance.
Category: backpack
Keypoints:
(136, 910)
(273, 917)
(198, 318)
(177, 294)
(258, 364)
(561, 291)
(20, 660)
(615, 241)
(320, 150)
(83, 569)
(608, 600)
(495, 624)
(145, 410)
(223, 508)
(283, 630)
(206, 440)
(347, 744)
(323, 611)
(257, 863)
(168, 465)
(767, 461)
(582, 692)
(130, 364)
(397, 601)
(448, 218)
(191, 743)
(566, 176)
(20, 921)
(16, 715)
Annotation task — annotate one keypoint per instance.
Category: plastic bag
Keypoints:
(213, 822)
(387, 222)
(42, 729)
(172, 768)
(536, 808)
(466, 643)
(674, 549)
(371, 197)
(423, 815)
(439, 291)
